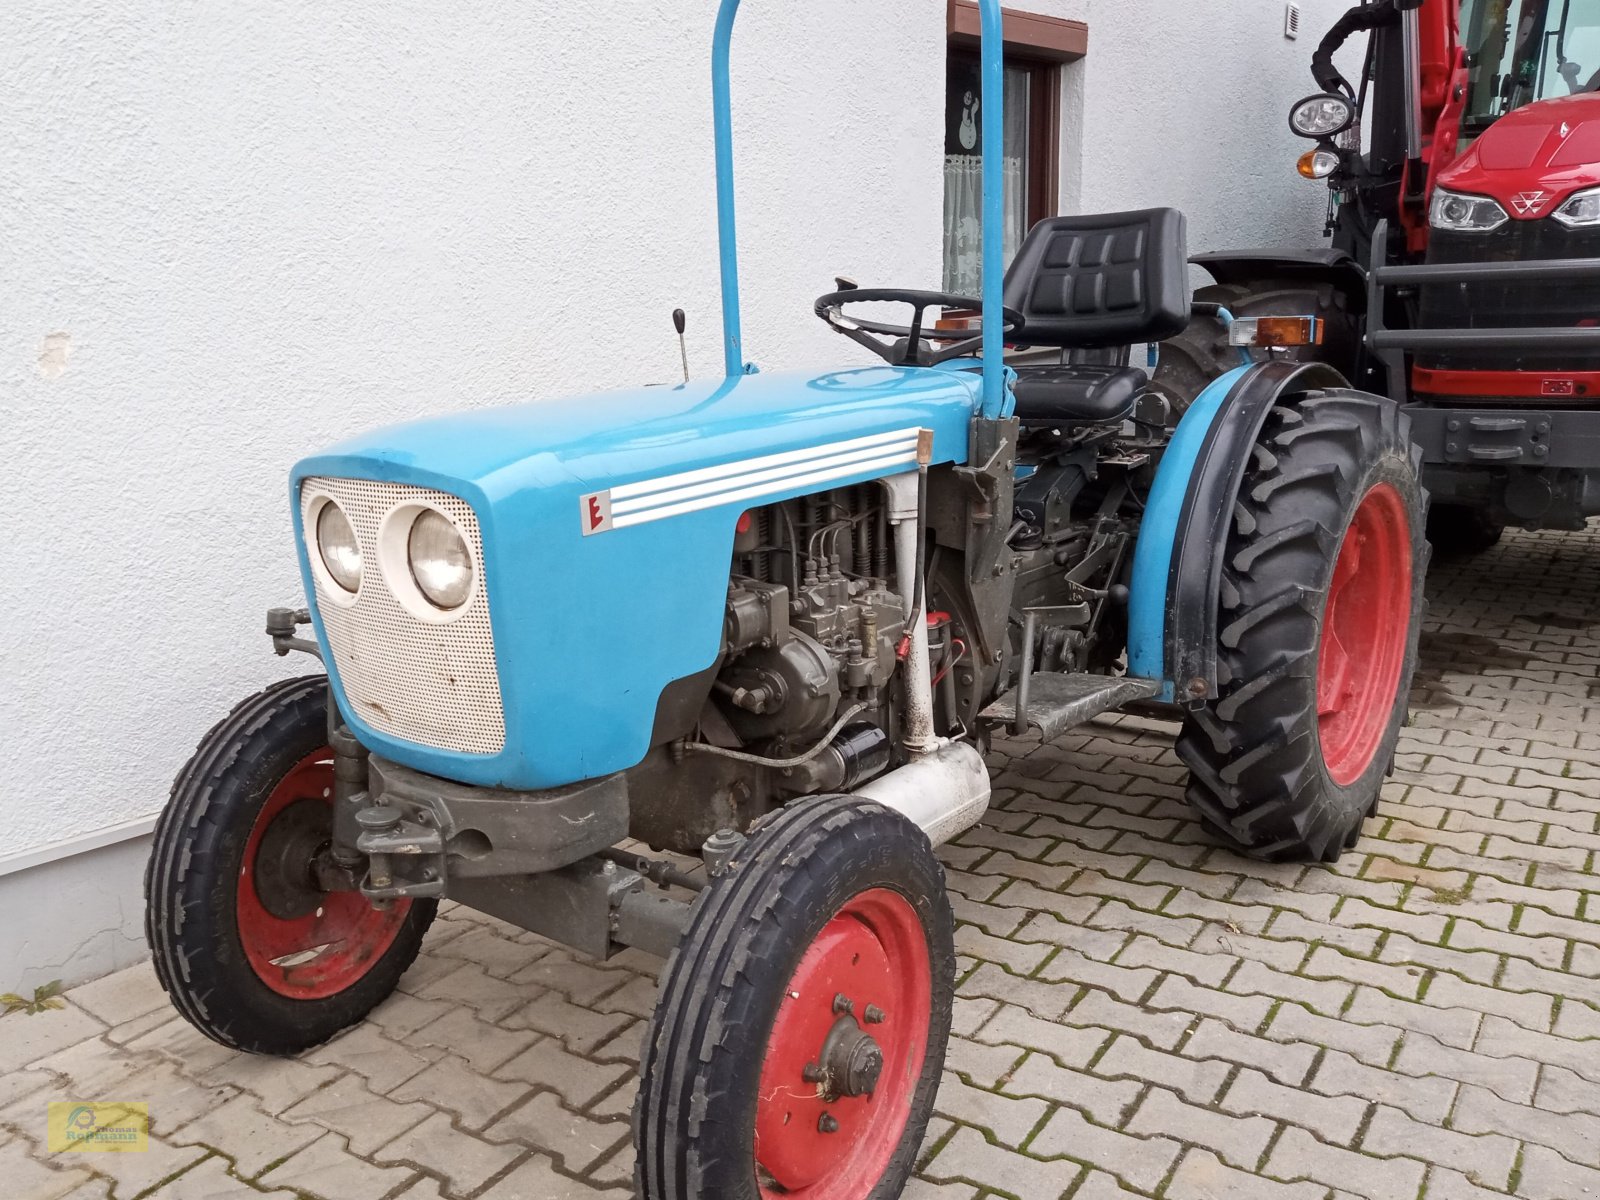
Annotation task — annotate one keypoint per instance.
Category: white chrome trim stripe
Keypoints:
(772, 476)
(645, 487)
(827, 475)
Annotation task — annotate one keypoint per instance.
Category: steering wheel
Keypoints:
(911, 344)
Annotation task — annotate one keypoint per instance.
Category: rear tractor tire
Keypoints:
(1321, 608)
(247, 947)
(800, 1033)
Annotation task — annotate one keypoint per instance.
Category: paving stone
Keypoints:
(254, 1140)
(1199, 1081)
(484, 1046)
(1546, 1175)
(1207, 969)
(1298, 1155)
(1240, 1141)
(1163, 1029)
(982, 1065)
(1045, 1000)
(1142, 1162)
(1453, 1025)
(1325, 996)
(473, 1098)
(1125, 983)
(383, 1062)
(537, 1179)
(1487, 1160)
(578, 1081)
(969, 1156)
(1428, 1098)
(1510, 1078)
(25, 1039)
(403, 1014)
(173, 1097)
(1244, 1013)
(1287, 1062)
(276, 1083)
(1107, 1101)
(366, 1119)
(1022, 958)
(1525, 1008)
(210, 1179)
(1332, 1118)
(121, 996)
(1501, 1038)
(577, 1142)
(1007, 1120)
(436, 1145)
(327, 1170)
(1564, 1091)
(1201, 1175)
(1010, 1025)
(1573, 1136)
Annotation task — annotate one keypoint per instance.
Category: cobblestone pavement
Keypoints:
(1139, 1013)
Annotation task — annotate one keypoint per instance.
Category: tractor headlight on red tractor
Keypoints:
(1582, 211)
(1322, 116)
(1460, 213)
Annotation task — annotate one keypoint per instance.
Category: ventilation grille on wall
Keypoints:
(1291, 22)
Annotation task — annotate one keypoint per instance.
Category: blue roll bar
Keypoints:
(993, 199)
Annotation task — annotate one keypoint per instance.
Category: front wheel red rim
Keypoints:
(1366, 627)
(856, 1011)
(337, 941)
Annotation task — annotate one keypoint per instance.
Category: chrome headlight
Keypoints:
(1580, 212)
(1465, 214)
(338, 547)
(1322, 115)
(441, 565)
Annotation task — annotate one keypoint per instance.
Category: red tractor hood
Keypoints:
(1532, 159)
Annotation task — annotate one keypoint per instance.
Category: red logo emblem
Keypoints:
(1560, 387)
(596, 510)
(1530, 204)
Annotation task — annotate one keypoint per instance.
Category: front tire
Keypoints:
(797, 1045)
(247, 948)
(1321, 611)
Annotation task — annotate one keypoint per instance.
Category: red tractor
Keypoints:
(1464, 272)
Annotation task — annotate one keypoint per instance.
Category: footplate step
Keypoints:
(1056, 703)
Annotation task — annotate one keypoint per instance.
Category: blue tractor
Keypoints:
(769, 621)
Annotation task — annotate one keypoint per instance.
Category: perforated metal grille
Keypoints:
(436, 685)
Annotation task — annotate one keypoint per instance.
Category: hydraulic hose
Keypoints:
(1363, 17)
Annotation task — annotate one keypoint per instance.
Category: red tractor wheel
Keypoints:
(798, 1041)
(250, 949)
(1322, 602)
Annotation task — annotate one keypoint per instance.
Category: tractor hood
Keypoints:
(606, 525)
(1532, 159)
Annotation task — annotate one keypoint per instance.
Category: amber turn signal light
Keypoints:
(1276, 332)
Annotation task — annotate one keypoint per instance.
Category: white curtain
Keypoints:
(963, 194)
(963, 220)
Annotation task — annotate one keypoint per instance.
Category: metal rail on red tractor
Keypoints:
(1505, 437)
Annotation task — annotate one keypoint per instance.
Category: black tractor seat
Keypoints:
(1095, 283)
(1071, 394)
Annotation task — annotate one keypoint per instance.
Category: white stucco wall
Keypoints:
(231, 234)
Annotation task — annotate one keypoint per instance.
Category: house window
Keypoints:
(1035, 47)
(963, 169)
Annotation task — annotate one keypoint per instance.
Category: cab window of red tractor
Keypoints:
(1520, 51)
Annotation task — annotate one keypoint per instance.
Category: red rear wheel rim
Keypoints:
(330, 948)
(874, 954)
(1366, 628)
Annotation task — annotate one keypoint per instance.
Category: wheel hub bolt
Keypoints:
(843, 1004)
(813, 1073)
(828, 1123)
(875, 1015)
